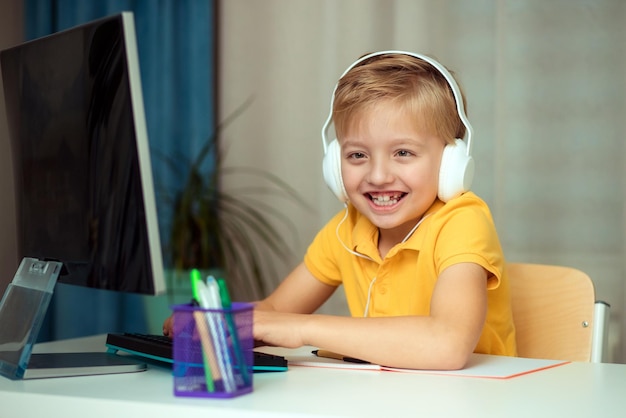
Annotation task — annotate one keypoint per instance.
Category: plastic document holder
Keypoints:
(22, 310)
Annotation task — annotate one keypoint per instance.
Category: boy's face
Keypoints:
(390, 169)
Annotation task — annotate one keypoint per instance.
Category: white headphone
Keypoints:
(457, 165)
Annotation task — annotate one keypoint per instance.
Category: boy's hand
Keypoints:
(167, 326)
(278, 329)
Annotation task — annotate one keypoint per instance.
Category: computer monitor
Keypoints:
(81, 160)
(83, 180)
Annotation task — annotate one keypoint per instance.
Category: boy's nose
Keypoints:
(380, 172)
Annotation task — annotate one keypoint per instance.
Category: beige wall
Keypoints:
(10, 34)
(545, 88)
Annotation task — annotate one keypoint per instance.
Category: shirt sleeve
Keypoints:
(321, 256)
(468, 234)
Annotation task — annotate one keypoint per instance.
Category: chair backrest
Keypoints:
(553, 311)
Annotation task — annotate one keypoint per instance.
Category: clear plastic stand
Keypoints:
(22, 310)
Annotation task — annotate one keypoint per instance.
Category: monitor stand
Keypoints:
(22, 309)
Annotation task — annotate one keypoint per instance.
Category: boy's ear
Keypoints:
(331, 166)
(456, 171)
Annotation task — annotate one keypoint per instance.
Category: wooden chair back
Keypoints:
(553, 311)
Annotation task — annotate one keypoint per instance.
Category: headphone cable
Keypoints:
(369, 290)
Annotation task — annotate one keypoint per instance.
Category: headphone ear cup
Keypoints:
(331, 166)
(456, 172)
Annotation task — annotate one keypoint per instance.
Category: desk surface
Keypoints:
(572, 390)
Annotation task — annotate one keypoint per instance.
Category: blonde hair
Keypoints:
(413, 84)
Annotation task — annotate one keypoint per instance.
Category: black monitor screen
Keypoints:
(84, 189)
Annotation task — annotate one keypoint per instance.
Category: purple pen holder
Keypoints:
(213, 351)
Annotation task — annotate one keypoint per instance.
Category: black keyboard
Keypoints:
(159, 347)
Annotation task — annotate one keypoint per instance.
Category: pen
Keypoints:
(330, 354)
(226, 304)
(210, 299)
(211, 370)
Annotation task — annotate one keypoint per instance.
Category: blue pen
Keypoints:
(210, 299)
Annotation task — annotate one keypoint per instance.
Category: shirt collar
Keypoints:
(365, 235)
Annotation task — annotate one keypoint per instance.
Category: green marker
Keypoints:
(226, 305)
(224, 295)
(195, 278)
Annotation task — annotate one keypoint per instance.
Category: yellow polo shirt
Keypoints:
(461, 230)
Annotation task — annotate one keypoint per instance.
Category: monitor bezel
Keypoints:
(141, 141)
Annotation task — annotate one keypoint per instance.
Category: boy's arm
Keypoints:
(443, 340)
(300, 292)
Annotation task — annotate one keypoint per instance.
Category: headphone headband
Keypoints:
(456, 91)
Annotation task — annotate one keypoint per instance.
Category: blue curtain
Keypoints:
(176, 51)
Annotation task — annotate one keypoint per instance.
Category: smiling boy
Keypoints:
(421, 265)
(423, 274)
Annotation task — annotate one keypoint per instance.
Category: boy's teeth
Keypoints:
(385, 200)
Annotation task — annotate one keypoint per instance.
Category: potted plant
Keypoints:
(230, 232)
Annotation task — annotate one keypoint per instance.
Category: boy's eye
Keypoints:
(404, 153)
(356, 155)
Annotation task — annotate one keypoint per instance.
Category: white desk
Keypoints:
(572, 390)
